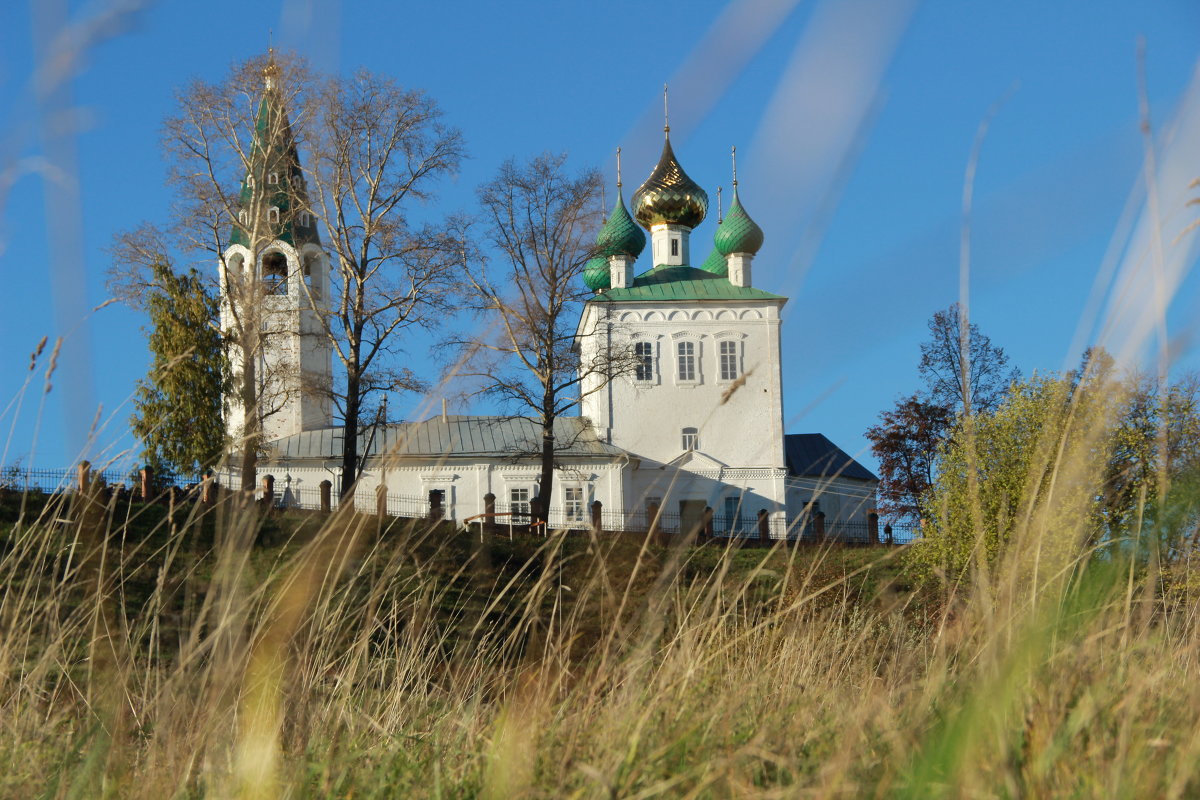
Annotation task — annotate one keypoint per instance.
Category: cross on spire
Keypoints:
(666, 112)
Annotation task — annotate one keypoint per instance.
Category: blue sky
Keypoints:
(854, 121)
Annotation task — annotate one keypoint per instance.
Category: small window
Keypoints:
(674, 247)
(518, 500)
(691, 439)
(273, 178)
(643, 353)
(243, 217)
(687, 360)
(303, 218)
(729, 365)
(573, 503)
(273, 214)
(250, 181)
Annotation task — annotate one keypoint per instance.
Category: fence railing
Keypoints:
(57, 480)
(807, 528)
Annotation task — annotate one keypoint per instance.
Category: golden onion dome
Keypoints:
(669, 196)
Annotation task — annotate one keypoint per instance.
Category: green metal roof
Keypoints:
(620, 234)
(278, 156)
(596, 273)
(683, 283)
(716, 264)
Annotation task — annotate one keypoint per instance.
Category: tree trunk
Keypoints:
(350, 434)
(251, 425)
(546, 481)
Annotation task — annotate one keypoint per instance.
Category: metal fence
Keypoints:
(513, 518)
(50, 481)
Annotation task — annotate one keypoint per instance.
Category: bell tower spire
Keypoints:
(274, 277)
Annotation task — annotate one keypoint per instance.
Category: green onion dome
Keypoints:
(596, 274)
(669, 196)
(716, 264)
(620, 235)
(737, 232)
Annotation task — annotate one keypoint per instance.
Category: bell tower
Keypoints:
(274, 287)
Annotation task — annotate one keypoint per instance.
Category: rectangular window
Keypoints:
(644, 355)
(687, 360)
(729, 365)
(674, 247)
(573, 503)
(691, 438)
(518, 500)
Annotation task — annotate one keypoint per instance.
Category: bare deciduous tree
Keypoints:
(373, 149)
(962, 369)
(539, 226)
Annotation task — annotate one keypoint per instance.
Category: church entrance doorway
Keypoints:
(691, 516)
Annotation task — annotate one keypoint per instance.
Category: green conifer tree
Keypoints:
(178, 404)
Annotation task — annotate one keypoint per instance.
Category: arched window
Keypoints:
(312, 275)
(273, 177)
(243, 217)
(275, 272)
(233, 267)
(273, 214)
(691, 439)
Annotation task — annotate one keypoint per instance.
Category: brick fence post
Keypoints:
(489, 510)
(819, 525)
(268, 498)
(597, 515)
(84, 477)
(208, 488)
(326, 496)
(872, 528)
(887, 535)
(146, 481)
(652, 521)
(764, 528)
(381, 501)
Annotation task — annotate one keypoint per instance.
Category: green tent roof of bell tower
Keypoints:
(273, 155)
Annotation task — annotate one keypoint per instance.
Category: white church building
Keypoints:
(696, 427)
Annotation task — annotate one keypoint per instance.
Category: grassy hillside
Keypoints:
(151, 651)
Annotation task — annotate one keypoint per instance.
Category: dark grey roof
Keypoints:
(457, 436)
(813, 455)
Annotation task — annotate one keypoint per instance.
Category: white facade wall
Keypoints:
(739, 422)
(463, 482)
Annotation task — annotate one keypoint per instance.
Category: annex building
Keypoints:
(697, 423)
